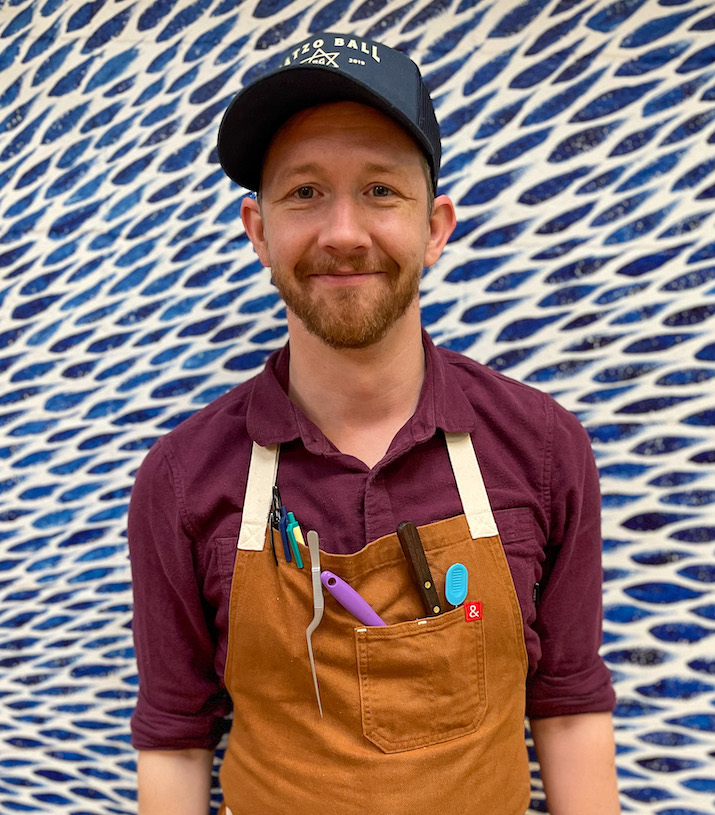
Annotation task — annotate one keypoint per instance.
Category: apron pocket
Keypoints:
(421, 682)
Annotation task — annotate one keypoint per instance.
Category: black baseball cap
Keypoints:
(326, 68)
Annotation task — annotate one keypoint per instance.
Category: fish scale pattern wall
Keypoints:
(579, 142)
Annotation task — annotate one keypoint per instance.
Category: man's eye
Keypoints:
(381, 191)
(304, 193)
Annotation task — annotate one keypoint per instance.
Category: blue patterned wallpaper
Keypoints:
(579, 146)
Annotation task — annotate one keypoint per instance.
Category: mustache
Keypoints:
(358, 264)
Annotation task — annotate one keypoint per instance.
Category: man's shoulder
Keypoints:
(483, 378)
(494, 394)
(206, 438)
(226, 411)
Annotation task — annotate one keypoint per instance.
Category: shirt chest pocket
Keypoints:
(524, 549)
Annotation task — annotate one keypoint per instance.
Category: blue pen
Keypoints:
(282, 528)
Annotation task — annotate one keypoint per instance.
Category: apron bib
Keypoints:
(422, 716)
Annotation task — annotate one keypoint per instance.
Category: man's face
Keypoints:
(343, 222)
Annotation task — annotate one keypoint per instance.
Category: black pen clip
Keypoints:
(275, 507)
(274, 519)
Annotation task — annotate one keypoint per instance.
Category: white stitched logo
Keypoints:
(358, 45)
(320, 57)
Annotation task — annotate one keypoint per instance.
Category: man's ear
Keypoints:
(253, 224)
(441, 225)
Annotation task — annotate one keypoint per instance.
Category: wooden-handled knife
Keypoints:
(415, 555)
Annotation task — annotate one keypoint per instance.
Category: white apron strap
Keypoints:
(471, 485)
(264, 466)
(259, 496)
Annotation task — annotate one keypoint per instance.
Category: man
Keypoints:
(362, 424)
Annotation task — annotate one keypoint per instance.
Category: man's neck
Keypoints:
(359, 398)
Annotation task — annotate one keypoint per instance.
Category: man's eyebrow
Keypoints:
(286, 173)
(313, 168)
(383, 169)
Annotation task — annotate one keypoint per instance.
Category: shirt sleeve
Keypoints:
(181, 702)
(571, 676)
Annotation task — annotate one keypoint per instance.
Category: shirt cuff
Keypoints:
(588, 691)
(154, 729)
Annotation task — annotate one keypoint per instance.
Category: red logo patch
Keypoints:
(472, 611)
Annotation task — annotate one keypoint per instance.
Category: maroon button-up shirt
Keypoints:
(187, 503)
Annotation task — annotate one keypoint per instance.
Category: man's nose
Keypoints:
(345, 229)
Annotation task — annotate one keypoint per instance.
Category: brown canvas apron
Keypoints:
(422, 716)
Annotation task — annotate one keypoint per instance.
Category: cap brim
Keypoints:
(257, 112)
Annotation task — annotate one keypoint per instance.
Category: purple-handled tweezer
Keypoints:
(349, 599)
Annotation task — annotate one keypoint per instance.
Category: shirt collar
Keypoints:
(273, 419)
(442, 404)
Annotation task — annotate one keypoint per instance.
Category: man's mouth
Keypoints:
(345, 278)
(344, 272)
